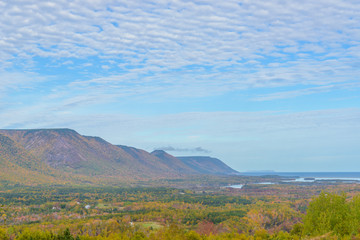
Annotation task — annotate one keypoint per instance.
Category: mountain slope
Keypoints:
(194, 165)
(63, 156)
(173, 162)
(208, 165)
(153, 162)
(18, 166)
(66, 150)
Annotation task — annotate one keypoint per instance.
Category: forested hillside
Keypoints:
(63, 156)
(19, 166)
(207, 165)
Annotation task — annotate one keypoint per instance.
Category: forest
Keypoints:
(276, 211)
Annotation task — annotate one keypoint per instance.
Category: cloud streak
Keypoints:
(307, 91)
(190, 150)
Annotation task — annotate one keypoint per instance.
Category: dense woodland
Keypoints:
(280, 211)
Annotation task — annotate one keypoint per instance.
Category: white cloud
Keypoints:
(112, 51)
(306, 91)
(174, 34)
(181, 150)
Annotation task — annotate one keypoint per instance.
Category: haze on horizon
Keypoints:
(258, 84)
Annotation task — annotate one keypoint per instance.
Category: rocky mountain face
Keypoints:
(52, 154)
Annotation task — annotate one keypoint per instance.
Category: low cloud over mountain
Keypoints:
(175, 149)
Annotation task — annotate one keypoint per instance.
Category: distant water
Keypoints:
(303, 177)
(333, 175)
(310, 176)
(239, 186)
(265, 183)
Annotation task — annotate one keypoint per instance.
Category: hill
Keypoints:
(19, 166)
(66, 150)
(208, 165)
(63, 155)
(173, 162)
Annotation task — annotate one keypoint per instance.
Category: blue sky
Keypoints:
(262, 85)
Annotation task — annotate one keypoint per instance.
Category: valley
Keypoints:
(57, 184)
(253, 212)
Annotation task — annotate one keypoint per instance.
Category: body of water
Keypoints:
(302, 177)
(235, 186)
(331, 175)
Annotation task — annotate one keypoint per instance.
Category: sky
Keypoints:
(261, 85)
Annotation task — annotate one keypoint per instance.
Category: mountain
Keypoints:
(66, 150)
(65, 156)
(19, 166)
(173, 162)
(208, 165)
(195, 165)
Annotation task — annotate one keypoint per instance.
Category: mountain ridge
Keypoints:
(63, 153)
(208, 165)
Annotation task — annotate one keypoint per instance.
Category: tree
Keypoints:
(328, 213)
(3, 234)
(66, 235)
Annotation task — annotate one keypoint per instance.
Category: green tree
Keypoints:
(261, 234)
(328, 213)
(66, 235)
(35, 235)
(3, 234)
